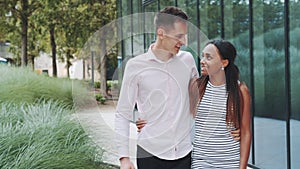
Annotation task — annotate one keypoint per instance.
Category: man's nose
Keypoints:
(182, 40)
(202, 60)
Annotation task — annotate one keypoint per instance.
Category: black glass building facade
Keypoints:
(267, 36)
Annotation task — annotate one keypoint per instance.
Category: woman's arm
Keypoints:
(245, 141)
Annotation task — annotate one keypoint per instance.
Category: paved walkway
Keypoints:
(98, 121)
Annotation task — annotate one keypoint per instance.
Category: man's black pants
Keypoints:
(145, 160)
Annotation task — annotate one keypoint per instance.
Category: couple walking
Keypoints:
(171, 97)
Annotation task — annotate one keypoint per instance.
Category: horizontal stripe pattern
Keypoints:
(213, 145)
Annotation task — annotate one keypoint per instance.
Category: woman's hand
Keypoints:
(140, 123)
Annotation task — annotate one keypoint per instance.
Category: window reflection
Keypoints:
(295, 82)
(269, 81)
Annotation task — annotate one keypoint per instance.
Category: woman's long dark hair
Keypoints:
(227, 51)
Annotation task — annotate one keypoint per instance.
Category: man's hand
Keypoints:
(126, 163)
(236, 134)
(140, 123)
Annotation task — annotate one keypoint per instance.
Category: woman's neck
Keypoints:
(217, 80)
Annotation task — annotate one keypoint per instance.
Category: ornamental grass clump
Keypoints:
(37, 126)
(44, 136)
(22, 85)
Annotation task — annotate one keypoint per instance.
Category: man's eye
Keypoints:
(179, 36)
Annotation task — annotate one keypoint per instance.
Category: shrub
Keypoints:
(21, 85)
(97, 84)
(100, 98)
(43, 136)
(112, 84)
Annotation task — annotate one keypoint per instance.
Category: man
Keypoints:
(157, 81)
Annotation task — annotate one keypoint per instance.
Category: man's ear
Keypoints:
(225, 62)
(160, 32)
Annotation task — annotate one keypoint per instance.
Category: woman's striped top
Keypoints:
(213, 145)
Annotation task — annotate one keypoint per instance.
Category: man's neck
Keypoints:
(161, 54)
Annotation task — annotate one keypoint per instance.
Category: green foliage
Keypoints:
(43, 136)
(100, 98)
(295, 82)
(97, 84)
(21, 85)
(112, 64)
(73, 21)
(269, 71)
(109, 84)
(112, 84)
(38, 128)
(273, 39)
(294, 40)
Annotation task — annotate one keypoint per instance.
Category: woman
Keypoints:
(223, 104)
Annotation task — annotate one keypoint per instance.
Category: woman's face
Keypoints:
(211, 62)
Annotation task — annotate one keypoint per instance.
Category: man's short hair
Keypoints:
(168, 16)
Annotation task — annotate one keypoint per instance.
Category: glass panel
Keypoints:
(295, 140)
(150, 38)
(194, 36)
(269, 81)
(270, 143)
(152, 7)
(191, 10)
(295, 82)
(127, 29)
(125, 8)
(138, 28)
(236, 23)
(137, 6)
(237, 31)
(269, 59)
(182, 4)
(210, 18)
(164, 3)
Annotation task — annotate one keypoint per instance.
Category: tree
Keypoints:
(20, 11)
(50, 16)
(97, 14)
(68, 24)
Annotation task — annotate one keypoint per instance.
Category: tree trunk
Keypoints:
(103, 59)
(24, 20)
(53, 49)
(68, 62)
(83, 69)
(31, 58)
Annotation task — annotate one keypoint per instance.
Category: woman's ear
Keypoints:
(225, 62)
